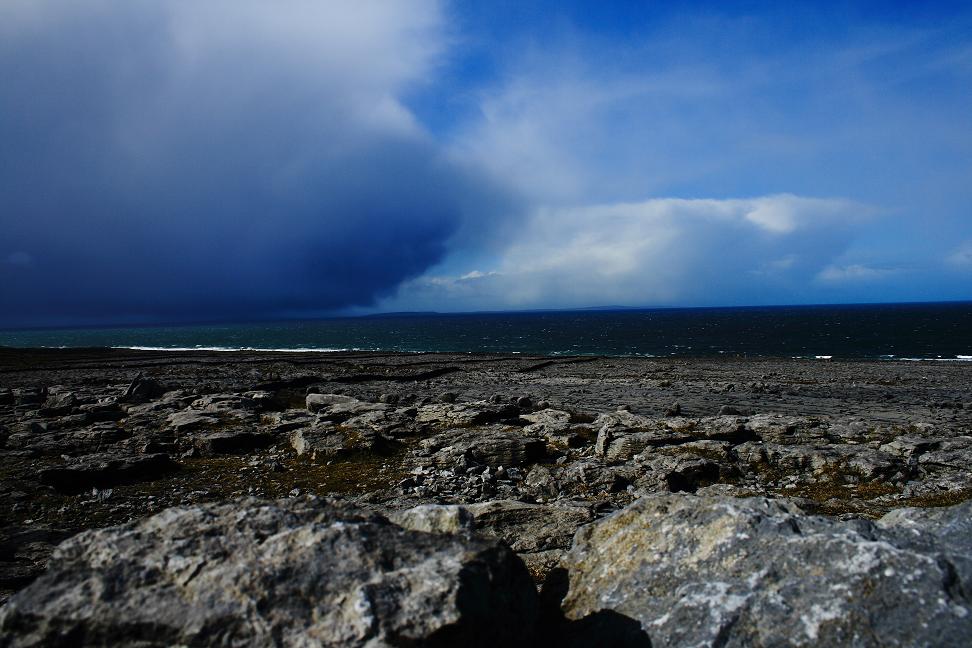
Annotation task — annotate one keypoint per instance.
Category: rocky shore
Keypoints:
(199, 498)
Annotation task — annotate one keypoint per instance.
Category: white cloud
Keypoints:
(562, 131)
(854, 272)
(961, 257)
(654, 252)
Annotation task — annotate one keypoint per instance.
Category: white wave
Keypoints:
(231, 349)
(958, 358)
(823, 357)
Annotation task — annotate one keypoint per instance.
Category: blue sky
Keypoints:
(169, 161)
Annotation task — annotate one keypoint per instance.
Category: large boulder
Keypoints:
(294, 572)
(59, 402)
(142, 390)
(720, 571)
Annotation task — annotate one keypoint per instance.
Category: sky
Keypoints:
(167, 161)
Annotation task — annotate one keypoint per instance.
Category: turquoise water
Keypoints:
(859, 331)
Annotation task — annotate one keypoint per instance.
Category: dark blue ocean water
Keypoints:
(858, 331)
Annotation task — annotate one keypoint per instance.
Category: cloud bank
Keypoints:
(192, 160)
(656, 252)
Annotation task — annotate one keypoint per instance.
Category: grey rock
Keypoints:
(946, 531)
(847, 464)
(59, 402)
(435, 518)
(622, 435)
(190, 420)
(345, 411)
(529, 527)
(679, 474)
(721, 571)
(491, 446)
(731, 410)
(142, 390)
(55, 442)
(542, 480)
(776, 428)
(384, 421)
(287, 420)
(329, 441)
(585, 477)
(338, 407)
(25, 552)
(227, 404)
(305, 440)
(29, 396)
(104, 410)
(549, 423)
(316, 402)
(294, 572)
(951, 455)
(464, 414)
(907, 446)
(259, 400)
(171, 401)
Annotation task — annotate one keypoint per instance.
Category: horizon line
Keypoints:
(418, 313)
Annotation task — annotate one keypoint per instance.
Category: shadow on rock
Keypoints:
(605, 628)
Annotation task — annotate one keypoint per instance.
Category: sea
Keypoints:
(913, 331)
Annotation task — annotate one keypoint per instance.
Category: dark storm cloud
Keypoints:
(188, 161)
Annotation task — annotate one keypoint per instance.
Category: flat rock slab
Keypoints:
(741, 572)
(100, 471)
(465, 414)
(92, 439)
(190, 420)
(332, 442)
(622, 435)
(337, 407)
(490, 446)
(293, 572)
(231, 442)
